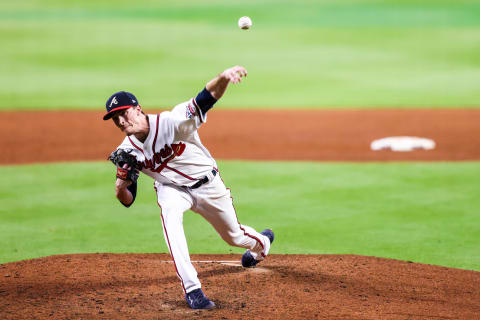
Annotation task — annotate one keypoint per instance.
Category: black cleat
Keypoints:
(269, 234)
(247, 259)
(197, 300)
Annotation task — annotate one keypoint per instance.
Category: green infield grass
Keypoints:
(422, 212)
(312, 54)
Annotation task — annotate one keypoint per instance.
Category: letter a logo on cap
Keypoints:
(114, 101)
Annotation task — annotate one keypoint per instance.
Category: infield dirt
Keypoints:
(133, 286)
(254, 135)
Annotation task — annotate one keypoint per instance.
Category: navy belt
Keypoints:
(202, 181)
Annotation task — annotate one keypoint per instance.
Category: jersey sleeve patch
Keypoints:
(190, 111)
(185, 119)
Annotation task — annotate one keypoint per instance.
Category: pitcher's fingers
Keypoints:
(241, 71)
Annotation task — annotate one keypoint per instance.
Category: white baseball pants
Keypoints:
(214, 203)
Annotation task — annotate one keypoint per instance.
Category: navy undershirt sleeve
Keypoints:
(133, 190)
(205, 101)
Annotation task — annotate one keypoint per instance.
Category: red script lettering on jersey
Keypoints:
(167, 154)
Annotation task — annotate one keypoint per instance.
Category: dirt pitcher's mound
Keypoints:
(145, 286)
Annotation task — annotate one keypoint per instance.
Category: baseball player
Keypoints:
(167, 148)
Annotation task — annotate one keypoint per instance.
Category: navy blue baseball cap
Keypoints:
(119, 101)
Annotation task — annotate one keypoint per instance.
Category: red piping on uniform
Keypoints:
(195, 102)
(168, 242)
(199, 111)
(156, 134)
(135, 145)
(180, 173)
(240, 226)
(247, 234)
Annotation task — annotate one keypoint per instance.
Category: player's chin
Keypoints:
(128, 130)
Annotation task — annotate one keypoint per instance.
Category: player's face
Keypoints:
(128, 120)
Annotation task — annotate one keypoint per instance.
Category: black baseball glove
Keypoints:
(120, 158)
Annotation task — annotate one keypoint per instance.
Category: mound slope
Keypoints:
(145, 286)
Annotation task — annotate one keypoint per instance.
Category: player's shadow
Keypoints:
(219, 271)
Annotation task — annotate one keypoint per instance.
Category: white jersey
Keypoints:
(172, 152)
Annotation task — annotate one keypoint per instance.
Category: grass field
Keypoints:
(351, 53)
(300, 54)
(409, 211)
